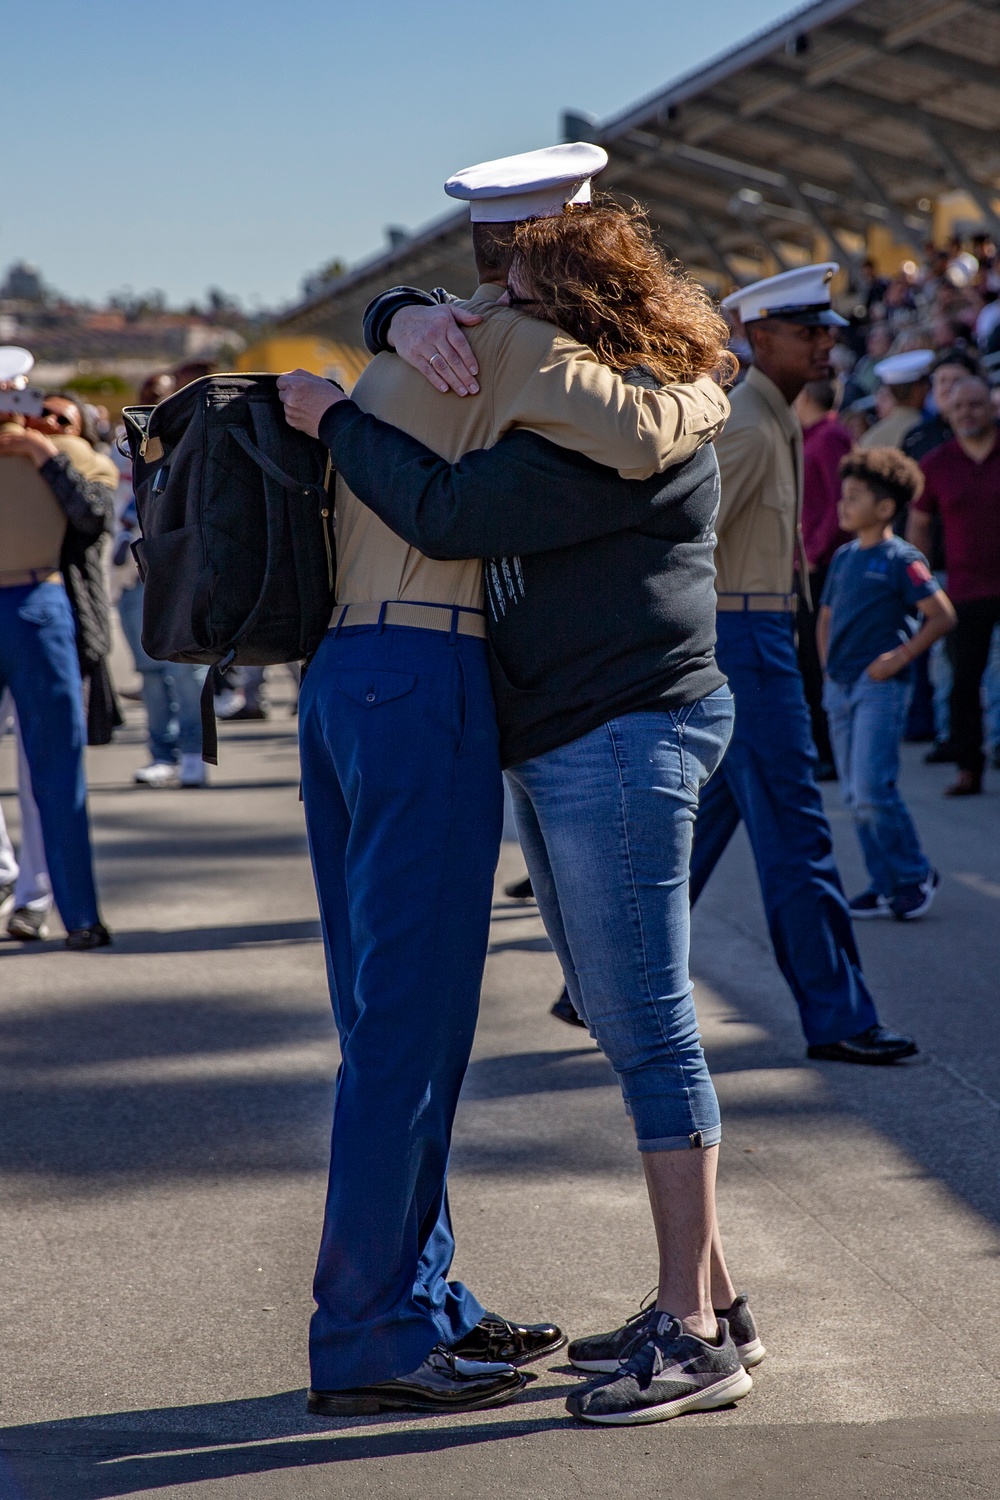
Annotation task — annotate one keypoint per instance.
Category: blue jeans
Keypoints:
(606, 824)
(866, 722)
(404, 810)
(171, 690)
(39, 663)
(768, 782)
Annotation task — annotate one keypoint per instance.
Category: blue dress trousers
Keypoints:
(767, 779)
(404, 812)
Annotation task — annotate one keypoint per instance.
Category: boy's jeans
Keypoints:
(866, 725)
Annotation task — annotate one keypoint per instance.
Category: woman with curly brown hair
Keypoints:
(612, 713)
(597, 273)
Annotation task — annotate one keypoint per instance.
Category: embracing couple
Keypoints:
(580, 660)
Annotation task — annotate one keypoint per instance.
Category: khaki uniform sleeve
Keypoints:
(744, 458)
(88, 462)
(549, 384)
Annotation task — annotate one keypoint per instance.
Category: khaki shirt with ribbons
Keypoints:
(532, 376)
(760, 512)
(32, 522)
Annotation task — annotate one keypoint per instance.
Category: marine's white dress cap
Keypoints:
(534, 185)
(799, 296)
(14, 361)
(904, 369)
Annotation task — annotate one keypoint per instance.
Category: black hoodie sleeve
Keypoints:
(522, 496)
(89, 505)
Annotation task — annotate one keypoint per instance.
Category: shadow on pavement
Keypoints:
(91, 1458)
(183, 939)
(97, 1458)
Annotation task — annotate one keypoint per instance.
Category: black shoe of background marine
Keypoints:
(876, 1045)
(83, 939)
(602, 1353)
(668, 1372)
(565, 1010)
(520, 890)
(442, 1383)
(496, 1340)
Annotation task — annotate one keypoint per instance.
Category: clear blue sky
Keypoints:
(242, 143)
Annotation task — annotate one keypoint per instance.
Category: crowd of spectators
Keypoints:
(940, 406)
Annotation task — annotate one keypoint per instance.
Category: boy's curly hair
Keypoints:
(596, 273)
(887, 472)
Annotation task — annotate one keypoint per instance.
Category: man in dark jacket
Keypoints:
(49, 514)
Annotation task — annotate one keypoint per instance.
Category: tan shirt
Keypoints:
(32, 523)
(531, 376)
(890, 432)
(760, 512)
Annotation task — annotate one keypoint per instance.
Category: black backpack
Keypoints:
(236, 513)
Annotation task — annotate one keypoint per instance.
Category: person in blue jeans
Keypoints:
(868, 641)
(171, 690)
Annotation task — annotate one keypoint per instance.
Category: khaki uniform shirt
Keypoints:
(760, 512)
(32, 522)
(890, 432)
(532, 376)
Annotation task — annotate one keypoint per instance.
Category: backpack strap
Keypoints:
(276, 481)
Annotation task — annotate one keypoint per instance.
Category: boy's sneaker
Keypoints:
(869, 904)
(913, 901)
(669, 1372)
(602, 1353)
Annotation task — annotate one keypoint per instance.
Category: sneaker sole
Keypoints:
(867, 916)
(733, 1388)
(750, 1354)
(369, 1406)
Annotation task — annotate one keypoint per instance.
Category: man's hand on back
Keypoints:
(306, 399)
(431, 340)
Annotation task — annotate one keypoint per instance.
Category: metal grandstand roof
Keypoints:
(847, 114)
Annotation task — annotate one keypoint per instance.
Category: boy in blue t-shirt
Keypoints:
(867, 637)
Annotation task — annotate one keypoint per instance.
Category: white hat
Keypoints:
(14, 361)
(904, 369)
(799, 296)
(534, 185)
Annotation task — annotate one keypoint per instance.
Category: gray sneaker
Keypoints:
(668, 1373)
(28, 925)
(602, 1353)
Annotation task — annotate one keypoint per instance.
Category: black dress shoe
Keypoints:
(495, 1339)
(565, 1010)
(520, 890)
(442, 1383)
(82, 939)
(876, 1045)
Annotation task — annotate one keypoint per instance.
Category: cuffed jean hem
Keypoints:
(698, 1140)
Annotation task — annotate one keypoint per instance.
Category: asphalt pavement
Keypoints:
(164, 1117)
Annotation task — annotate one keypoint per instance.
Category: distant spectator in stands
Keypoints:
(905, 378)
(862, 380)
(825, 441)
(952, 366)
(963, 488)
